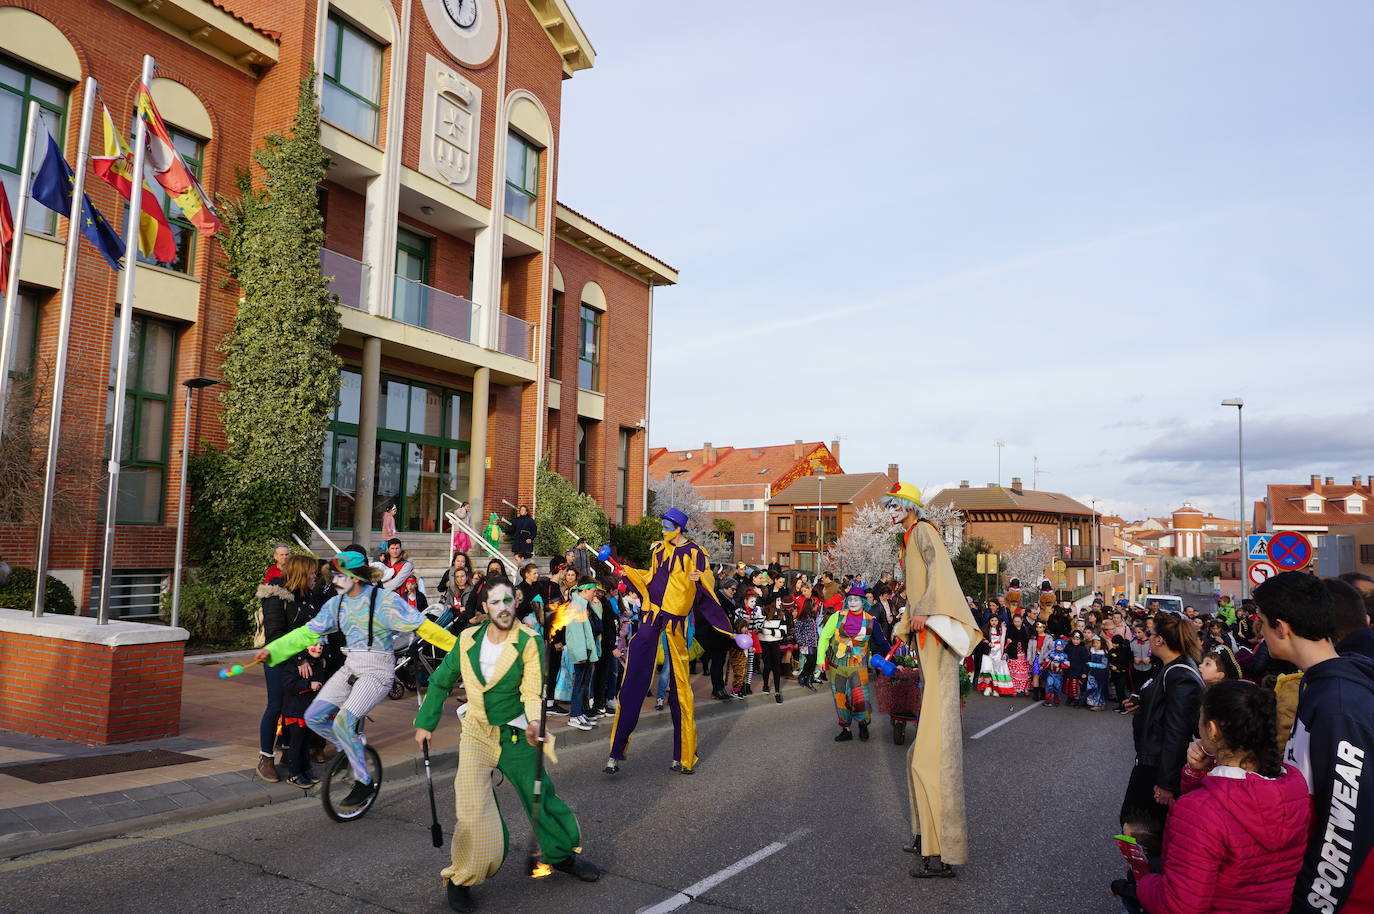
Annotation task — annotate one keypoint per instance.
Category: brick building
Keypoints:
(737, 483)
(484, 323)
(818, 509)
(1315, 507)
(1010, 517)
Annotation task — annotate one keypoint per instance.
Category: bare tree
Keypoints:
(24, 454)
(668, 493)
(868, 546)
(1030, 561)
(950, 520)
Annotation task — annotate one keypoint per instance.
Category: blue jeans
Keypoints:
(582, 681)
(661, 692)
(267, 729)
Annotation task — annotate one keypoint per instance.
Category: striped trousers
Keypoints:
(358, 687)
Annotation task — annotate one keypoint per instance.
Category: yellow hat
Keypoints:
(906, 492)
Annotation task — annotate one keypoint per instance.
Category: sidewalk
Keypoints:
(84, 793)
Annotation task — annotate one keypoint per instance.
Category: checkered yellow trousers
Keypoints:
(480, 839)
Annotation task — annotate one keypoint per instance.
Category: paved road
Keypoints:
(1043, 790)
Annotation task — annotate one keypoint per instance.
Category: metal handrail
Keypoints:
(300, 543)
(329, 513)
(512, 569)
(333, 545)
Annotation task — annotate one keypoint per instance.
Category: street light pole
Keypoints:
(191, 385)
(1095, 555)
(820, 527)
(1239, 404)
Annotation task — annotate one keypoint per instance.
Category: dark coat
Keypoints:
(1167, 720)
(522, 534)
(283, 610)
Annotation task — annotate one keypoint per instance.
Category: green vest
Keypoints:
(502, 700)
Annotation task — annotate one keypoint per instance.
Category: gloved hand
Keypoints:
(886, 667)
(604, 553)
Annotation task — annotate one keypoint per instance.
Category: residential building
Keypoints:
(816, 510)
(485, 324)
(1316, 507)
(1014, 516)
(737, 483)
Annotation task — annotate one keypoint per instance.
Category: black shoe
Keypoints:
(576, 866)
(360, 794)
(914, 847)
(932, 867)
(844, 736)
(766, 690)
(460, 898)
(778, 698)
(611, 768)
(863, 732)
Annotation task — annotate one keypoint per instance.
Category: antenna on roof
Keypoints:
(999, 444)
(1035, 473)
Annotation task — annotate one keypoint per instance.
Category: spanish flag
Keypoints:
(171, 172)
(115, 168)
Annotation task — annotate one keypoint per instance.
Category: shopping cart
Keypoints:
(899, 695)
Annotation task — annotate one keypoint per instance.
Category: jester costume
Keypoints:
(849, 639)
(938, 624)
(669, 594)
(501, 700)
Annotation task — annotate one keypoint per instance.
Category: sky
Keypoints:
(1075, 226)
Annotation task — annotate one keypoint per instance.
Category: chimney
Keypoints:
(708, 454)
(1330, 481)
(797, 449)
(892, 474)
(835, 450)
(1316, 482)
(963, 483)
(1016, 484)
(1357, 481)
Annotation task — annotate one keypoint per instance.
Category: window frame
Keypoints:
(784, 523)
(134, 413)
(334, 19)
(623, 474)
(746, 539)
(528, 151)
(26, 95)
(555, 352)
(594, 362)
(27, 298)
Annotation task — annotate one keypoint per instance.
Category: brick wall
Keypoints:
(89, 693)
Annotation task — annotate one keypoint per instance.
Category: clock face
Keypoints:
(462, 12)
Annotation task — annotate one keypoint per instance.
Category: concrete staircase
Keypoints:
(429, 552)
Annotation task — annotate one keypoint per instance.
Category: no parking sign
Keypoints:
(1289, 550)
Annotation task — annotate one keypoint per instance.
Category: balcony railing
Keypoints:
(515, 336)
(348, 278)
(425, 306)
(1075, 554)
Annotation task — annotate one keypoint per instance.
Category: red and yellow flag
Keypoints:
(6, 238)
(115, 168)
(171, 172)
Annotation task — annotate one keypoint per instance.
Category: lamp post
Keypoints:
(191, 385)
(820, 527)
(1095, 555)
(1239, 404)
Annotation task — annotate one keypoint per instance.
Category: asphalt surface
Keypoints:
(1043, 791)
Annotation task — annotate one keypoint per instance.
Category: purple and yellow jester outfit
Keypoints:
(669, 597)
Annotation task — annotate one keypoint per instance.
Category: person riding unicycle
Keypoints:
(369, 618)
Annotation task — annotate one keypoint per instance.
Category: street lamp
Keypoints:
(191, 385)
(1239, 404)
(820, 482)
(1095, 554)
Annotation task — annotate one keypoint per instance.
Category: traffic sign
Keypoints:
(1262, 571)
(1289, 550)
(1257, 547)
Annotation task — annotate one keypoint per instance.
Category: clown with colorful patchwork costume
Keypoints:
(501, 666)
(938, 624)
(850, 642)
(678, 582)
(369, 618)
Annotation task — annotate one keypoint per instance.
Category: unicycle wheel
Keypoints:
(338, 782)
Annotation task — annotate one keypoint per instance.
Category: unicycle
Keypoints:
(339, 779)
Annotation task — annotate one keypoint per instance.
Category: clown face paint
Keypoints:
(897, 513)
(854, 604)
(500, 606)
(342, 583)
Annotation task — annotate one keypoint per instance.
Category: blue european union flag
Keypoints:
(52, 187)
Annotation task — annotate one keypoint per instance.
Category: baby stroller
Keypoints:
(417, 659)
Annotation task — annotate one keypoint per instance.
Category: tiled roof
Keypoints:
(270, 33)
(615, 236)
(1152, 534)
(773, 465)
(1288, 505)
(833, 490)
(996, 498)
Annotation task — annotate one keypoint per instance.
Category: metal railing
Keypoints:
(134, 593)
(514, 336)
(348, 278)
(512, 569)
(320, 533)
(424, 306)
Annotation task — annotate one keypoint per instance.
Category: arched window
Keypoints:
(191, 128)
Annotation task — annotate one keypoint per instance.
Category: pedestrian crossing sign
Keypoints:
(1257, 547)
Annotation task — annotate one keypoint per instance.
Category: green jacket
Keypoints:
(516, 686)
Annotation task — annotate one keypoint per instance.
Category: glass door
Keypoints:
(412, 272)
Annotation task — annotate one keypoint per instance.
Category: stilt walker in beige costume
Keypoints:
(938, 624)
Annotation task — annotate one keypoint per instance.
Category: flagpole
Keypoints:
(126, 316)
(21, 215)
(64, 330)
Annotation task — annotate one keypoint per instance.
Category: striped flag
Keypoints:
(6, 238)
(115, 168)
(171, 172)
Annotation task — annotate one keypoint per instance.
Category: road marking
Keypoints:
(687, 895)
(1006, 720)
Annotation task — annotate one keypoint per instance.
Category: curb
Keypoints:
(567, 737)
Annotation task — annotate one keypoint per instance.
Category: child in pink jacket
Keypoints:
(1235, 838)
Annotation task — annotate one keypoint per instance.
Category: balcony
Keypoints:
(425, 306)
(515, 336)
(1076, 555)
(348, 278)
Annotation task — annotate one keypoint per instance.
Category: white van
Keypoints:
(1163, 602)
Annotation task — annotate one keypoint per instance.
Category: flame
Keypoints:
(563, 613)
(541, 869)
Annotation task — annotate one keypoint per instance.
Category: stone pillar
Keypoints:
(367, 441)
(477, 484)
